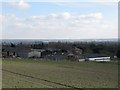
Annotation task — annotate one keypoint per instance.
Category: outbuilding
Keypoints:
(97, 57)
(34, 54)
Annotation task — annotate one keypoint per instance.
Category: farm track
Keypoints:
(29, 81)
(28, 76)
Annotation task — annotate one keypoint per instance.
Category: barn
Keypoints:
(97, 57)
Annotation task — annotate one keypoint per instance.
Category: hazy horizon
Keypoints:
(56, 40)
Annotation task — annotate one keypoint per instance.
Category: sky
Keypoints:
(26, 19)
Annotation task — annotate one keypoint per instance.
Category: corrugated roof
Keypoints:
(93, 55)
(15, 49)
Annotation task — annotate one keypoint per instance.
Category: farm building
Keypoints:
(55, 54)
(50, 53)
(72, 57)
(15, 52)
(34, 54)
(82, 59)
(97, 57)
(74, 54)
(8, 52)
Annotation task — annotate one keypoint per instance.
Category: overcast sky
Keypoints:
(59, 20)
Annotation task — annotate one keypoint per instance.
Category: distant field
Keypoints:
(58, 74)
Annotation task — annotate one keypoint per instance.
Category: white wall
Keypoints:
(34, 54)
(99, 59)
(81, 60)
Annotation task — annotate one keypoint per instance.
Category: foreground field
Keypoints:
(58, 74)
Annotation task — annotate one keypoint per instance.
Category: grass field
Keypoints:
(19, 73)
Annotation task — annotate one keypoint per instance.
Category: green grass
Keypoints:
(58, 74)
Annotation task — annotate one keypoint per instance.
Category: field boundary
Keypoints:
(69, 86)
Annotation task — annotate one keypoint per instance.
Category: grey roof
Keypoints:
(14, 49)
(93, 55)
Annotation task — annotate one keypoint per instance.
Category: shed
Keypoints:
(35, 54)
(97, 57)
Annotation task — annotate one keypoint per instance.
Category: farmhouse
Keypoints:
(8, 52)
(15, 52)
(97, 57)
